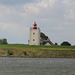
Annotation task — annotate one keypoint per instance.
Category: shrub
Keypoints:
(66, 44)
(56, 44)
(25, 53)
(10, 52)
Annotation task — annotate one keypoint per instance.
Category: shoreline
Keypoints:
(37, 57)
(27, 51)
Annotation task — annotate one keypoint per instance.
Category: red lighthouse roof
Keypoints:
(34, 24)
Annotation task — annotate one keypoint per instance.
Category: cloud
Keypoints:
(69, 9)
(59, 27)
(39, 7)
(14, 33)
(13, 26)
(4, 26)
(6, 10)
(54, 17)
(13, 2)
(70, 15)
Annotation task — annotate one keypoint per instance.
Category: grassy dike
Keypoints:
(37, 51)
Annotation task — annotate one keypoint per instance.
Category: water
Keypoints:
(37, 66)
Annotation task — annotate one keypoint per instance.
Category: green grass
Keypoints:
(36, 51)
(38, 47)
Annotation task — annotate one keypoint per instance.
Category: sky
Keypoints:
(55, 18)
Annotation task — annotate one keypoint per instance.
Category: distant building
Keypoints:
(49, 43)
(34, 36)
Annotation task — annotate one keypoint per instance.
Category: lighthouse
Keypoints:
(34, 35)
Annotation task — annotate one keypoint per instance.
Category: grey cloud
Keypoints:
(52, 20)
(15, 2)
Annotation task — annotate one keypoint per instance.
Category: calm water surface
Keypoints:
(37, 66)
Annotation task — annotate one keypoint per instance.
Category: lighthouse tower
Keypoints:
(34, 38)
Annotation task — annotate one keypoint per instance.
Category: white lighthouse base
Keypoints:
(34, 38)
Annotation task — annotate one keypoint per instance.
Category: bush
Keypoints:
(56, 44)
(65, 43)
(10, 52)
(25, 53)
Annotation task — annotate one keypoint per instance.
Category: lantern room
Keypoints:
(35, 25)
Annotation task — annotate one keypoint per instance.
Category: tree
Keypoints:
(0, 41)
(65, 43)
(43, 38)
(3, 41)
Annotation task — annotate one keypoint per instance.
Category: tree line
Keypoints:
(43, 40)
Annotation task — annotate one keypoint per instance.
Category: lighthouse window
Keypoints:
(33, 39)
(33, 33)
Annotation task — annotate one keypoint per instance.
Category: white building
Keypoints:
(48, 44)
(34, 37)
